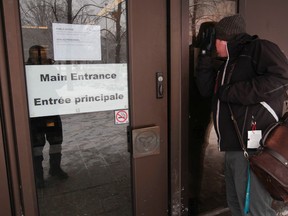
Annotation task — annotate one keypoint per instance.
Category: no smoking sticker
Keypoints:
(121, 117)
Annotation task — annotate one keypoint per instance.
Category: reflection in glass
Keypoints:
(205, 161)
(45, 128)
(76, 73)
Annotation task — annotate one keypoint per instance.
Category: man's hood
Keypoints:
(236, 45)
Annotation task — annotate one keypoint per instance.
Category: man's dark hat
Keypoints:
(230, 26)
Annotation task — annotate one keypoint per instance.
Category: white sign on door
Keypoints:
(76, 42)
(68, 89)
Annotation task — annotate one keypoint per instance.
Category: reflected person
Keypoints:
(199, 113)
(45, 128)
(199, 119)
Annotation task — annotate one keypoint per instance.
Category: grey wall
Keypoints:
(268, 19)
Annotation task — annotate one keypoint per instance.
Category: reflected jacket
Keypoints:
(253, 80)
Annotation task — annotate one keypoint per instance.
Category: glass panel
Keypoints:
(205, 161)
(76, 73)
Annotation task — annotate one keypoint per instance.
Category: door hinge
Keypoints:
(129, 139)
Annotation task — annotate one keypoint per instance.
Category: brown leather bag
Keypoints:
(270, 163)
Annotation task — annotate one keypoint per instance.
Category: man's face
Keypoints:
(221, 48)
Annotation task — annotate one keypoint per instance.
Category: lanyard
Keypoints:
(247, 197)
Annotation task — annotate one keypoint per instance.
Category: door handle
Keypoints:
(159, 85)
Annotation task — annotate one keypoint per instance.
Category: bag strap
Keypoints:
(284, 117)
(267, 132)
(279, 157)
(246, 155)
(282, 121)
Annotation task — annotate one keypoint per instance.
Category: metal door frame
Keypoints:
(5, 205)
(173, 121)
(147, 56)
(15, 118)
(179, 104)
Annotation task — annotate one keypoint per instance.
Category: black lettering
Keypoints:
(73, 76)
(68, 100)
(51, 101)
(47, 77)
(37, 101)
(112, 97)
(44, 78)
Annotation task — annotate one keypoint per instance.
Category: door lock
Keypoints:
(159, 85)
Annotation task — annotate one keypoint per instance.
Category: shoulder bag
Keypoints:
(270, 162)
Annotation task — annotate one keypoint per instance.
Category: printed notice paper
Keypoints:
(68, 89)
(76, 42)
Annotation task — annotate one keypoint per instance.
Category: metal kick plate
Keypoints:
(146, 141)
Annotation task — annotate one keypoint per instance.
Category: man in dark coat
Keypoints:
(253, 81)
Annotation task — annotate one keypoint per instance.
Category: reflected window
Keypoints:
(76, 73)
(201, 11)
(205, 161)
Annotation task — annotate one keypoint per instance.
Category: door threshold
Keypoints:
(215, 212)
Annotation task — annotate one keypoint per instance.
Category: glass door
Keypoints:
(77, 87)
(205, 161)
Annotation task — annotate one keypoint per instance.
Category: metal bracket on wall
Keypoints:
(146, 141)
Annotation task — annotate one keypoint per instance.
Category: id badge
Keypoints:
(254, 138)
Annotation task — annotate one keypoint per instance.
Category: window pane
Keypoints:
(76, 72)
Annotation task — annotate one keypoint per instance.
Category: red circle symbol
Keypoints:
(121, 116)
